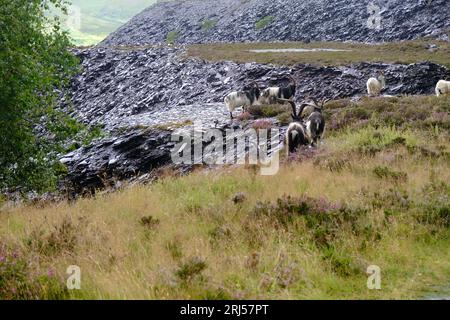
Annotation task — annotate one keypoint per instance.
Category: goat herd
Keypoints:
(309, 131)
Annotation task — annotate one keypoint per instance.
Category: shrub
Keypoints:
(434, 208)
(239, 198)
(383, 172)
(262, 124)
(334, 163)
(323, 218)
(19, 281)
(220, 233)
(191, 269)
(267, 111)
(244, 116)
(287, 208)
(391, 199)
(338, 104)
(63, 238)
(149, 222)
(342, 264)
(369, 140)
(175, 249)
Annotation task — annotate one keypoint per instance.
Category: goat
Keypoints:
(376, 85)
(442, 88)
(295, 134)
(243, 98)
(274, 94)
(315, 124)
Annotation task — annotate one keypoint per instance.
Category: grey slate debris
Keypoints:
(207, 21)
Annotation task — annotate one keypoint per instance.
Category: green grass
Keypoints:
(395, 52)
(264, 22)
(208, 24)
(172, 37)
(308, 232)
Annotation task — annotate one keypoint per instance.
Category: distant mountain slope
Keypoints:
(101, 17)
(203, 21)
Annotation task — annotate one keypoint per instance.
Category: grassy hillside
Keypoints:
(393, 52)
(376, 193)
(101, 17)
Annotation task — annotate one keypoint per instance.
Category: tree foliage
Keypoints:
(35, 64)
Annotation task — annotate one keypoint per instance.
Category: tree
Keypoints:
(35, 64)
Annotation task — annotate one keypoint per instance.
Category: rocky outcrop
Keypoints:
(206, 21)
(116, 158)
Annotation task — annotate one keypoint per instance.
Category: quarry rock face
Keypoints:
(116, 158)
(119, 89)
(208, 21)
(140, 97)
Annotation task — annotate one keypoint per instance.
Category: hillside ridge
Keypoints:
(209, 21)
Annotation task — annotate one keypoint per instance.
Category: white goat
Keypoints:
(442, 87)
(375, 86)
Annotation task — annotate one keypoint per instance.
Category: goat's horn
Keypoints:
(314, 100)
(302, 107)
(292, 103)
(323, 102)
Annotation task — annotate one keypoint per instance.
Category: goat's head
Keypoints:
(382, 80)
(252, 88)
(381, 76)
(255, 90)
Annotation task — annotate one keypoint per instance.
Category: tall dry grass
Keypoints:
(308, 232)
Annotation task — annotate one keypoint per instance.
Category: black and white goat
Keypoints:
(296, 133)
(274, 94)
(244, 98)
(315, 123)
